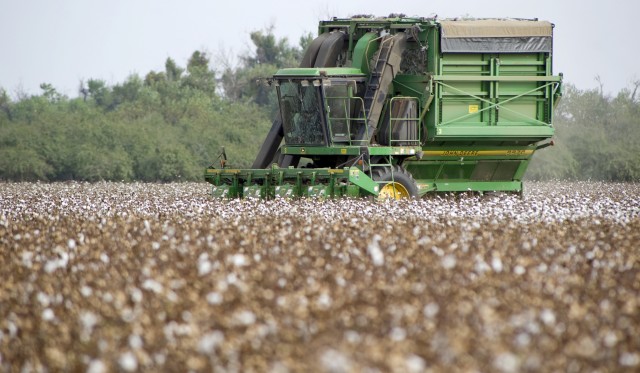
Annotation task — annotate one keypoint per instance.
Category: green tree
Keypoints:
(5, 104)
(200, 77)
(50, 93)
(101, 93)
(128, 91)
(173, 72)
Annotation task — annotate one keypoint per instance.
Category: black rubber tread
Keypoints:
(377, 173)
(311, 54)
(331, 48)
(400, 175)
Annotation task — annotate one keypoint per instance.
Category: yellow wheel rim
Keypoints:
(393, 190)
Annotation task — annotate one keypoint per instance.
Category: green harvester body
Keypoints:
(417, 103)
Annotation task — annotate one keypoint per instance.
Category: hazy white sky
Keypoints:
(63, 41)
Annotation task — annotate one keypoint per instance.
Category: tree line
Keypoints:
(597, 137)
(169, 125)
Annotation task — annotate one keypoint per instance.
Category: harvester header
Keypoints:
(400, 107)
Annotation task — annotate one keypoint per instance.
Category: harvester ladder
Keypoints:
(381, 166)
(386, 66)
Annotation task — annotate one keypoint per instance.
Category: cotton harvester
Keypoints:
(398, 107)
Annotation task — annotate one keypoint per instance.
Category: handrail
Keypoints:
(415, 141)
(366, 51)
(348, 118)
(493, 78)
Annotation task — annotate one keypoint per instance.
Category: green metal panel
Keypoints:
(478, 186)
(479, 131)
(477, 95)
(364, 50)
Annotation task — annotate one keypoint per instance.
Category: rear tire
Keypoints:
(399, 183)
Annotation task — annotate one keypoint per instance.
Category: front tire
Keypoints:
(395, 183)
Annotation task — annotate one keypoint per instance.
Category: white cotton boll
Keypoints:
(209, 341)
(159, 358)
(27, 257)
(415, 363)
(204, 268)
(214, 298)
(548, 317)
(71, 243)
(232, 278)
(12, 328)
(481, 266)
(48, 315)
(523, 339)
(86, 291)
(496, 264)
(449, 262)
(63, 260)
(172, 296)
(107, 297)
(239, 260)
(147, 227)
(135, 341)
(96, 366)
(507, 362)
(377, 256)
(335, 361)
(128, 361)
(43, 299)
(153, 285)
(398, 334)
(51, 266)
(88, 320)
(104, 258)
(324, 301)
(519, 270)
(610, 339)
(245, 317)
(136, 295)
(431, 310)
(352, 336)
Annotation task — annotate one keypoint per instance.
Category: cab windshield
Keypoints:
(302, 112)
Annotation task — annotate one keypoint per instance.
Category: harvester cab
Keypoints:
(319, 110)
(399, 107)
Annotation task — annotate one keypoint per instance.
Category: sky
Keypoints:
(62, 42)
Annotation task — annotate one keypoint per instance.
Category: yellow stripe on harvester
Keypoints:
(474, 153)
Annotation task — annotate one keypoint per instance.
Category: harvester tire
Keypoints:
(400, 184)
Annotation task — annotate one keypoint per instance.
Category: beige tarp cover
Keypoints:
(488, 28)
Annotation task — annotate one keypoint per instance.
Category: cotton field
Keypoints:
(148, 277)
